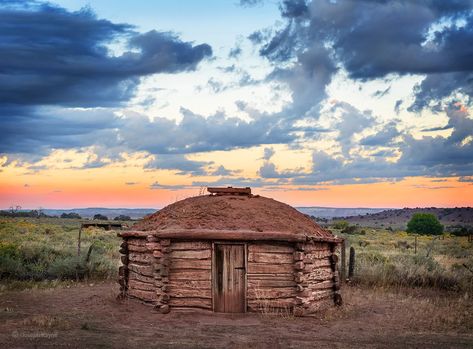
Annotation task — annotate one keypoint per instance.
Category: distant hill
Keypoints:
(331, 212)
(134, 213)
(398, 218)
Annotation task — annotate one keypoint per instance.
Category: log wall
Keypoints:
(270, 277)
(190, 275)
(314, 274)
(281, 277)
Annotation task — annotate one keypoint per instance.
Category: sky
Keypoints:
(338, 103)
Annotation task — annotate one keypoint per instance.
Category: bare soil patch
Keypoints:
(86, 316)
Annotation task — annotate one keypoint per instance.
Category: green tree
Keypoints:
(122, 218)
(424, 223)
(101, 217)
(340, 225)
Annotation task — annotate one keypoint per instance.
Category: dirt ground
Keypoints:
(88, 316)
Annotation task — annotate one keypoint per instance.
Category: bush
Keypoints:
(340, 225)
(122, 218)
(100, 217)
(425, 224)
(71, 215)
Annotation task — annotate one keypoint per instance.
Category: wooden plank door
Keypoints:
(229, 287)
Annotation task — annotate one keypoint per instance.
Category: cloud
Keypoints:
(131, 183)
(268, 153)
(157, 185)
(222, 171)
(384, 137)
(51, 56)
(268, 170)
(373, 39)
(250, 3)
(178, 162)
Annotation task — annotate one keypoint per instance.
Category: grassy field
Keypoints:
(41, 251)
(390, 259)
(37, 252)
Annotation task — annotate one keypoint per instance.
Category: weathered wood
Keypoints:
(262, 304)
(124, 260)
(205, 264)
(317, 263)
(147, 296)
(146, 270)
(229, 278)
(316, 307)
(299, 265)
(319, 274)
(351, 263)
(298, 256)
(264, 268)
(271, 293)
(317, 246)
(273, 258)
(132, 233)
(196, 284)
(311, 257)
(205, 303)
(195, 275)
(230, 235)
(199, 254)
(157, 254)
(165, 242)
(137, 248)
(252, 283)
(269, 248)
(182, 292)
(190, 245)
(327, 284)
(135, 276)
(230, 191)
(145, 258)
(164, 309)
(139, 285)
(153, 246)
(270, 276)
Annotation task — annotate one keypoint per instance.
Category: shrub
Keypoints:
(122, 218)
(425, 224)
(340, 225)
(100, 217)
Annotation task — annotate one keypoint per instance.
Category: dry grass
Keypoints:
(271, 307)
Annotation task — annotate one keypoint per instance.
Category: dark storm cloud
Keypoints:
(372, 39)
(53, 56)
(383, 137)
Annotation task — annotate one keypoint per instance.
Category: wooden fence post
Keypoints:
(415, 245)
(343, 263)
(351, 263)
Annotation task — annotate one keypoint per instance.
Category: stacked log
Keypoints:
(158, 249)
(313, 275)
(337, 296)
(123, 270)
(190, 275)
(140, 272)
(270, 280)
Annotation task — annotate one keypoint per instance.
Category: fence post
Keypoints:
(351, 263)
(343, 266)
(415, 245)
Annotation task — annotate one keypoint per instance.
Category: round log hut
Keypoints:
(230, 251)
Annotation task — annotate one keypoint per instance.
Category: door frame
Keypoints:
(214, 270)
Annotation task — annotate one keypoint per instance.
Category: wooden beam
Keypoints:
(229, 191)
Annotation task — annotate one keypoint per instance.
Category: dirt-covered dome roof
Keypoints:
(232, 212)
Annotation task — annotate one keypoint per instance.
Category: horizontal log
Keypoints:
(145, 258)
(270, 248)
(271, 276)
(298, 256)
(264, 257)
(133, 234)
(317, 264)
(271, 293)
(199, 254)
(153, 246)
(270, 304)
(263, 268)
(198, 284)
(137, 248)
(205, 264)
(252, 283)
(320, 274)
(232, 235)
(135, 276)
(198, 275)
(190, 245)
(147, 296)
(327, 284)
(310, 257)
(316, 246)
(146, 270)
(181, 292)
(165, 242)
(139, 285)
(205, 303)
